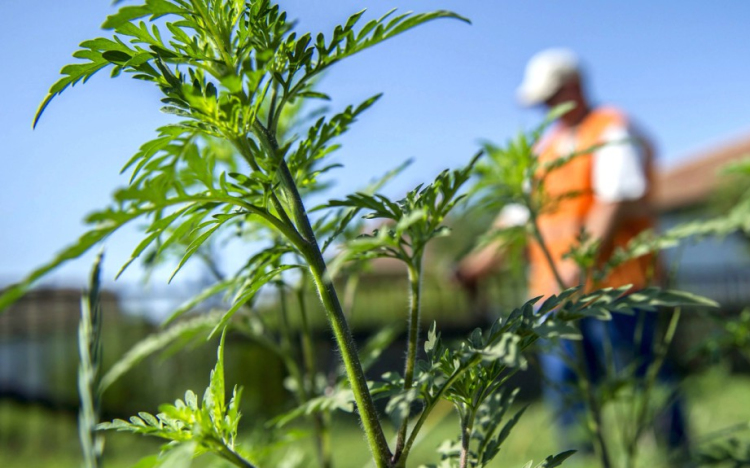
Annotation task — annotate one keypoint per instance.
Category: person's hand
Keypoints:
(465, 275)
(570, 274)
(473, 268)
(477, 265)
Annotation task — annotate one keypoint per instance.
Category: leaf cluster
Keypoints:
(472, 376)
(733, 453)
(206, 426)
(408, 224)
(227, 69)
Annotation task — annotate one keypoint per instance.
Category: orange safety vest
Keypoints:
(561, 225)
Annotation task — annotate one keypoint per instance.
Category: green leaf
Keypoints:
(195, 245)
(557, 460)
(125, 15)
(150, 461)
(314, 95)
(92, 51)
(89, 346)
(247, 293)
(179, 457)
(216, 387)
(83, 245)
(157, 342)
(197, 299)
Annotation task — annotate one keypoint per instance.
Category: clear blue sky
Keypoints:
(681, 68)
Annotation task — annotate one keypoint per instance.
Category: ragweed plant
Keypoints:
(513, 174)
(90, 353)
(229, 70)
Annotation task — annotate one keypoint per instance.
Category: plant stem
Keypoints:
(467, 425)
(415, 299)
(543, 246)
(651, 374)
(322, 434)
(428, 409)
(594, 412)
(235, 458)
(370, 421)
(310, 250)
(415, 289)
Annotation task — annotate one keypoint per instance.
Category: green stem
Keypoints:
(415, 298)
(467, 425)
(651, 374)
(310, 250)
(235, 458)
(415, 290)
(430, 406)
(594, 412)
(543, 246)
(370, 421)
(322, 434)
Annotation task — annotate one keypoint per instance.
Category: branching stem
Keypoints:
(310, 250)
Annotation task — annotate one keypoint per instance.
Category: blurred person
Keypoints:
(611, 186)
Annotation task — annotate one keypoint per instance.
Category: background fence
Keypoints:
(39, 356)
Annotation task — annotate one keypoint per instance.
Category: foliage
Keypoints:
(732, 452)
(232, 72)
(90, 350)
(513, 174)
(192, 427)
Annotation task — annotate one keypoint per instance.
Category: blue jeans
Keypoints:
(628, 340)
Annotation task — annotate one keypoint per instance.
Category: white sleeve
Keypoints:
(619, 167)
(512, 215)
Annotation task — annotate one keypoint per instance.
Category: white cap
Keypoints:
(545, 73)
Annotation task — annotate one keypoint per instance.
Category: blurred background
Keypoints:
(679, 68)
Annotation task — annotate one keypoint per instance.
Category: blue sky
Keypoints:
(681, 68)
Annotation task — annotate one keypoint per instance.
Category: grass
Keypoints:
(36, 438)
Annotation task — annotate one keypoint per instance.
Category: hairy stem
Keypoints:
(329, 298)
(310, 250)
(322, 433)
(415, 298)
(352, 364)
(467, 425)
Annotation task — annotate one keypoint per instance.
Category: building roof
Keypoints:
(689, 183)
